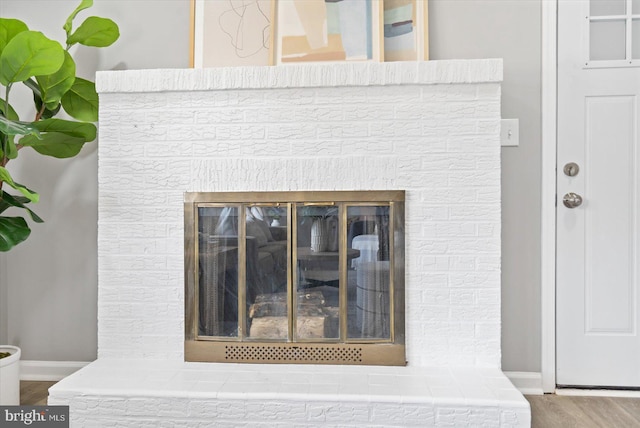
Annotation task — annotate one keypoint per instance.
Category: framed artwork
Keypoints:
(328, 30)
(406, 36)
(232, 32)
(267, 32)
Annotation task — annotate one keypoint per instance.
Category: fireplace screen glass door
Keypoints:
(302, 277)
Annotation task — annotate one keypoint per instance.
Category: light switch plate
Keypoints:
(510, 132)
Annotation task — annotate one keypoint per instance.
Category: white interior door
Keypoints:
(598, 341)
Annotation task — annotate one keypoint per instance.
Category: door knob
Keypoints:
(572, 200)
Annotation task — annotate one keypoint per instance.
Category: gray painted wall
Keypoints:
(509, 29)
(53, 275)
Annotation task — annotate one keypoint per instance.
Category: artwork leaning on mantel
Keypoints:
(324, 284)
(273, 32)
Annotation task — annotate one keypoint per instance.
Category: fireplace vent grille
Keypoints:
(316, 354)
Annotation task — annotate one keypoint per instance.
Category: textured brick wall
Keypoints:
(196, 413)
(431, 129)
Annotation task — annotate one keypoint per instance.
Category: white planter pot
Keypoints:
(10, 376)
(318, 235)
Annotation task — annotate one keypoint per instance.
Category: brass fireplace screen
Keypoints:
(295, 277)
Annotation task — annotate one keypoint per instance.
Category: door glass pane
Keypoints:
(607, 40)
(635, 7)
(635, 36)
(318, 272)
(218, 271)
(267, 307)
(368, 304)
(607, 7)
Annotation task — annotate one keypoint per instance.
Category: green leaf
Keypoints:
(7, 143)
(13, 230)
(69, 127)
(33, 85)
(6, 177)
(5, 196)
(60, 138)
(95, 31)
(12, 114)
(84, 4)
(47, 113)
(14, 127)
(9, 28)
(7, 201)
(11, 149)
(29, 53)
(81, 101)
(37, 100)
(55, 144)
(54, 86)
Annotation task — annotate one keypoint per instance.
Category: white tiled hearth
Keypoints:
(158, 393)
(431, 129)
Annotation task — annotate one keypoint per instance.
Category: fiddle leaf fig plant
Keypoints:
(28, 57)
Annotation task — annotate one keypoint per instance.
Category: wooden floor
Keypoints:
(34, 393)
(550, 411)
(547, 411)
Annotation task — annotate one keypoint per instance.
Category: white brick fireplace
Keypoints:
(430, 128)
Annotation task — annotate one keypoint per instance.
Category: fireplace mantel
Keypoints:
(302, 76)
(429, 128)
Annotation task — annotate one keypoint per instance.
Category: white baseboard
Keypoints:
(597, 392)
(49, 370)
(528, 383)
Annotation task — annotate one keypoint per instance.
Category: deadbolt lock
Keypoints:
(571, 169)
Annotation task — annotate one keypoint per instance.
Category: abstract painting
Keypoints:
(405, 29)
(327, 30)
(233, 32)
